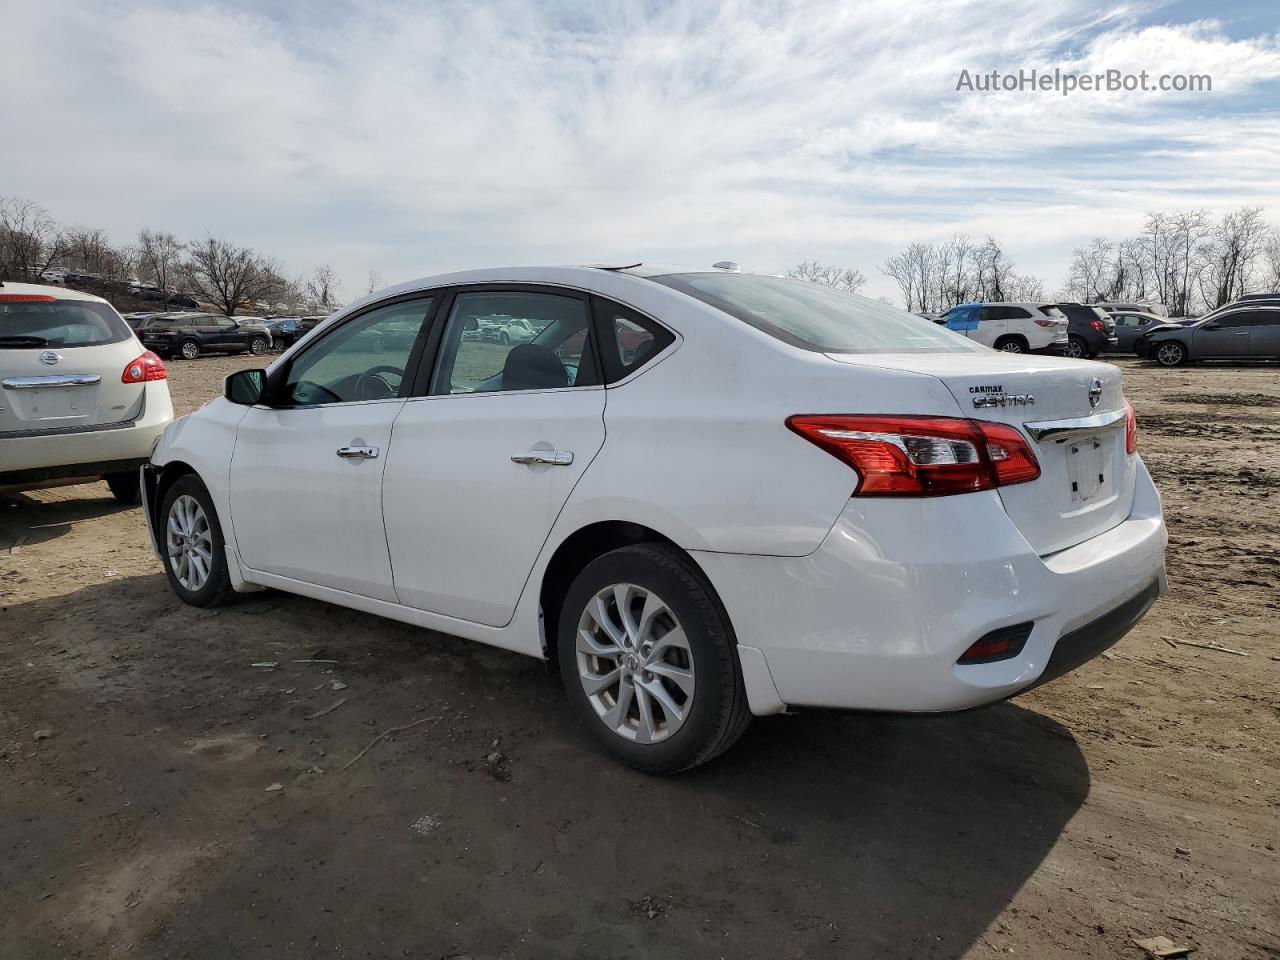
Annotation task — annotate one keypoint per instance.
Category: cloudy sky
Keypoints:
(412, 138)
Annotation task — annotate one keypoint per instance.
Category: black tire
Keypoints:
(1076, 348)
(1012, 345)
(216, 591)
(718, 713)
(1169, 353)
(258, 346)
(189, 349)
(125, 487)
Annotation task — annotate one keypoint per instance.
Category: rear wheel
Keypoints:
(1076, 348)
(1011, 345)
(258, 346)
(125, 487)
(1171, 354)
(190, 349)
(194, 551)
(648, 660)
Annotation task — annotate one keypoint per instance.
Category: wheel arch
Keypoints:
(581, 547)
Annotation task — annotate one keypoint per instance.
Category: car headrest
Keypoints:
(531, 366)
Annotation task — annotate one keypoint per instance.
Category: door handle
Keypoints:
(554, 458)
(1242, 333)
(358, 453)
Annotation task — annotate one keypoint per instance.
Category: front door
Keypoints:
(1226, 337)
(306, 474)
(481, 466)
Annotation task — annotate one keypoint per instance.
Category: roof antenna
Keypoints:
(730, 265)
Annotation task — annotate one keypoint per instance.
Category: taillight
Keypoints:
(26, 298)
(1130, 429)
(1045, 321)
(1098, 325)
(910, 456)
(147, 367)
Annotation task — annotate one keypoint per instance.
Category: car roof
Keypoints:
(45, 290)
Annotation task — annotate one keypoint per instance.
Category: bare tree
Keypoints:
(375, 281)
(322, 287)
(160, 255)
(1231, 255)
(848, 279)
(30, 240)
(1270, 278)
(228, 276)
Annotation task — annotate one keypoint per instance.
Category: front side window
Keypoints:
(816, 317)
(503, 340)
(363, 359)
(59, 323)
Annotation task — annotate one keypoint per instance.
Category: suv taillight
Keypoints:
(1045, 321)
(911, 456)
(1098, 325)
(1130, 429)
(144, 368)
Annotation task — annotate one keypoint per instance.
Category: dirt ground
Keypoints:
(140, 747)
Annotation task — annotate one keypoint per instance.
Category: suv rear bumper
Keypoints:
(34, 458)
(878, 616)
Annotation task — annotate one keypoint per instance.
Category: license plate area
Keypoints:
(1088, 469)
(54, 403)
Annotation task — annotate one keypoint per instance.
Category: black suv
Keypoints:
(188, 335)
(1090, 330)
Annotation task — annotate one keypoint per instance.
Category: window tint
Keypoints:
(631, 339)
(225, 323)
(1267, 318)
(514, 340)
(61, 323)
(363, 359)
(1245, 318)
(1016, 313)
(816, 317)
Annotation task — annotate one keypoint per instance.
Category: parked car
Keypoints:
(1131, 326)
(1010, 327)
(188, 335)
(508, 330)
(1135, 306)
(1245, 332)
(1273, 298)
(80, 399)
(1090, 330)
(285, 331)
(792, 497)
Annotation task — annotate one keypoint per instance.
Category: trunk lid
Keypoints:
(1086, 479)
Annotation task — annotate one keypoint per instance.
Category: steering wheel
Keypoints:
(372, 385)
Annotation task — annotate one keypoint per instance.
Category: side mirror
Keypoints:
(245, 387)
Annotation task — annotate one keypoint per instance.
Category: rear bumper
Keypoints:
(68, 453)
(876, 617)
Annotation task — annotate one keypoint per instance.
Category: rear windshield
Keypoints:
(817, 317)
(60, 323)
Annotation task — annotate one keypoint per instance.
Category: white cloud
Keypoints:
(412, 139)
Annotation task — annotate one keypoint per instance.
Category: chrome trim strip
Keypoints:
(60, 380)
(1062, 430)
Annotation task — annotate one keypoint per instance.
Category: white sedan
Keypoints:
(704, 494)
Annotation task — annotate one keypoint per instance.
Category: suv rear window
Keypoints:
(816, 317)
(60, 323)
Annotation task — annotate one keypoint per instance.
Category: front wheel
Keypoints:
(190, 349)
(1171, 354)
(648, 660)
(195, 559)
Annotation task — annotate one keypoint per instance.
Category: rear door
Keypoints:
(482, 463)
(61, 365)
(1264, 335)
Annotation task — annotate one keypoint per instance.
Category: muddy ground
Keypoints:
(1139, 796)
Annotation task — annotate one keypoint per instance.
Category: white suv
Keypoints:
(1011, 327)
(80, 398)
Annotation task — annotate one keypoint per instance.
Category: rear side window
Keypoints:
(59, 323)
(816, 317)
(630, 340)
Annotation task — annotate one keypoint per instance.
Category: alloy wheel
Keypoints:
(190, 350)
(1075, 349)
(635, 664)
(1011, 346)
(189, 543)
(1169, 354)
